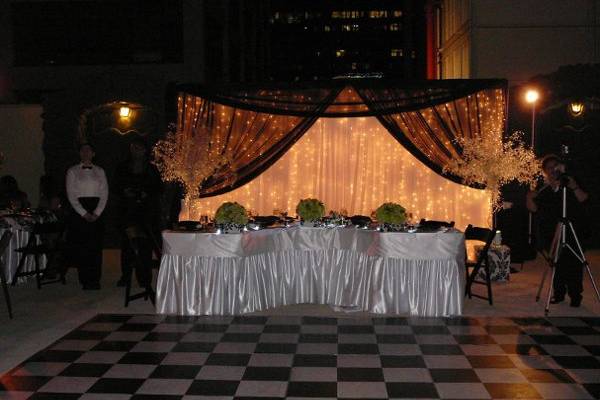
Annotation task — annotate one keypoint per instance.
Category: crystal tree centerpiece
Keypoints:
(310, 210)
(190, 157)
(489, 161)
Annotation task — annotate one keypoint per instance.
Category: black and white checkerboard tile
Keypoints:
(157, 357)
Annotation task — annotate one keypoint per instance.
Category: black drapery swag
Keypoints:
(257, 124)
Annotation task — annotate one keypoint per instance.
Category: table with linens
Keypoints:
(416, 274)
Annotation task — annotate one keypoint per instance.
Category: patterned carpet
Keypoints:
(157, 357)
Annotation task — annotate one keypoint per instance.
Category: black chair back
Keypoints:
(360, 220)
(430, 224)
(486, 236)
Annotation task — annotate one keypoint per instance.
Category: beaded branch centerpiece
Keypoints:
(489, 161)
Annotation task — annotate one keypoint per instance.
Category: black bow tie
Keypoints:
(85, 167)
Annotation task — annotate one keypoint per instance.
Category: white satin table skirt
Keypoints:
(419, 274)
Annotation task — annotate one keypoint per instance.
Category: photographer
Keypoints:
(547, 204)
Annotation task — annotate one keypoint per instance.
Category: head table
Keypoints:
(418, 274)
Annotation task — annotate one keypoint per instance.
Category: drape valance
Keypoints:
(257, 124)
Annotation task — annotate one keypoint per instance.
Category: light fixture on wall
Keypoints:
(124, 111)
(576, 108)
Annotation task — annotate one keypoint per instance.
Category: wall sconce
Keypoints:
(124, 112)
(576, 108)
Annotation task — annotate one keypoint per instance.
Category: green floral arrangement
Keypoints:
(231, 213)
(390, 213)
(310, 209)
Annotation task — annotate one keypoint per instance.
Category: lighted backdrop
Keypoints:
(353, 164)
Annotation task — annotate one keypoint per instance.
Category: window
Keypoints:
(354, 66)
(397, 13)
(394, 27)
(345, 28)
(378, 14)
(347, 14)
(350, 28)
(340, 53)
(327, 28)
(396, 52)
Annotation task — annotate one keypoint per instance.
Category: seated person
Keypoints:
(10, 194)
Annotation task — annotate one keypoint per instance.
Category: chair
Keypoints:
(435, 224)
(360, 220)
(486, 236)
(4, 242)
(138, 238)
(46, 239)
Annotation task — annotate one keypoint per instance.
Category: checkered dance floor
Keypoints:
(157, 357)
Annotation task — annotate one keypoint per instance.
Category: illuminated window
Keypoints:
(335, 14)
(354, 66)
(396, 52)
(397, 13)
(394, 27)
(355, 27)
(340, 53)
(327, 28)
(378, 14)
(413, 54)
(345, 28)
(276, 15)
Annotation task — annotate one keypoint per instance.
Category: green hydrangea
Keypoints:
(391, 213)
(310, 209)
(231, 213)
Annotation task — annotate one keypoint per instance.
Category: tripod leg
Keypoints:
(581, 256)
(589, 271)
(549, 295)
(541, 287)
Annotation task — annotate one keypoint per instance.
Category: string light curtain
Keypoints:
(252, 140)
(257, 124)
(353, 164)
(430, 133)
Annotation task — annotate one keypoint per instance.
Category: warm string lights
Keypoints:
(356, 165)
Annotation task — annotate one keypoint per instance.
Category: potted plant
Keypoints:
(310, 210)
(231, 217)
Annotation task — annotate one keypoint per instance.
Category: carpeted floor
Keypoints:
(157, 357)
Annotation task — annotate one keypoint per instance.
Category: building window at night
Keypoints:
(378, 14)
(340, 53)
(345, 28)
(327, 28)
(397, 13)
(396, 52)
(394, 27)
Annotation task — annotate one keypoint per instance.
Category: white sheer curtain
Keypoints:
(354, 164)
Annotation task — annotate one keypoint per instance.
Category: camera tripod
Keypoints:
(560, 244)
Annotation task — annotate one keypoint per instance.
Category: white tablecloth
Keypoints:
(401, 273)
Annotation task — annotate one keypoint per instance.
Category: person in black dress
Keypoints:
(138, 185)
(546, 203)
(87, 192)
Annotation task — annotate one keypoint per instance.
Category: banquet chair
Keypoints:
(138, 237)
(46, 239)
(486, 236)
(435, 224)
(4, 242)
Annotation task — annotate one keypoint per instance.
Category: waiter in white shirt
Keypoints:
(87, 191)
